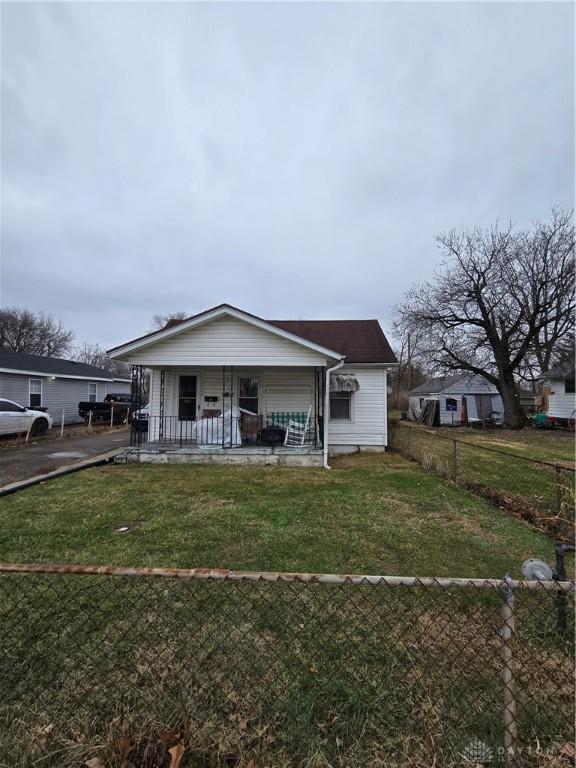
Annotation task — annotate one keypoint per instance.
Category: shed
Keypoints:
(54, 384)
(461, 398)
(558, 397)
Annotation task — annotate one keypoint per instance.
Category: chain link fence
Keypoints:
(152, 667)
(540, 492)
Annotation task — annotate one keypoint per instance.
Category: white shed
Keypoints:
(559, 399)
(462, 398)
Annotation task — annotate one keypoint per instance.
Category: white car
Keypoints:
(14, 418)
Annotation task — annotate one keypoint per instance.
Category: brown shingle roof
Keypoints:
(361, 341)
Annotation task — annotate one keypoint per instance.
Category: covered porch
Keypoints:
(207, 412)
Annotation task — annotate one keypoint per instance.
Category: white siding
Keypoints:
(368, 425)
(561, 404)
(226, 341)
(283, 389)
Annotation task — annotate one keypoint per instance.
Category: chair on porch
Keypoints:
(297, 432)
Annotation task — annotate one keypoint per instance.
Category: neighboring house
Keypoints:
(226, 379)
(54, 385)
(461, 399)
(558, 397)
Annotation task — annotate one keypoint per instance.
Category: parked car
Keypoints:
(15, 418)
(140, 419)
(114, 407)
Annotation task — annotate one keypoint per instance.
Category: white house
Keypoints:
(227, 386)
(454, 400)
(559, 399)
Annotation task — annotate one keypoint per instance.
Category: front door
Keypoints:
(187, 398)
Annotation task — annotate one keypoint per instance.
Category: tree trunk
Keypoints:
(514, 413)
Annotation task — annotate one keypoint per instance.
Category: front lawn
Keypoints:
(114, 671)
(376, 514)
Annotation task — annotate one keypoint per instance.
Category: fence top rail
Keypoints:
(224, 574)
(422, 430)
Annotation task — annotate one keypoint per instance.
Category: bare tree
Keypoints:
(159, 321)
(501, 300)
(94, 354)
(35, 333)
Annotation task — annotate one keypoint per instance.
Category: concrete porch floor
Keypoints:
(151, 453)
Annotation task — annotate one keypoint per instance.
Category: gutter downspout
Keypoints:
(327, 409)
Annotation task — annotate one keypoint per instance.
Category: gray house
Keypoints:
(55, 385)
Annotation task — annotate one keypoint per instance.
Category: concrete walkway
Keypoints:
(48, 455)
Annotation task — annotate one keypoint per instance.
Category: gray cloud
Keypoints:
(296, 159)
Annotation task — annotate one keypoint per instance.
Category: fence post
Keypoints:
(508, 635)
(62, 423)
(454, 460)
(558, 490)
(410, 442)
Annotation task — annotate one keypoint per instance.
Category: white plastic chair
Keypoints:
(296, 432)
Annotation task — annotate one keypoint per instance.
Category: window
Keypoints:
(421, 402)
(187, 398)
(569, 386)
(451, 404)
(248, 397)
(341, 405)
(35, 389)
(92, 392)
(8, 407)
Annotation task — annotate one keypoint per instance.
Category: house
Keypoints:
(53, 384)
(453, 400)
(226, 385)
(558, 397)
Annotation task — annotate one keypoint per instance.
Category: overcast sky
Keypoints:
(296, 160)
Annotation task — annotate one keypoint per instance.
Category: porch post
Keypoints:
(161, 410)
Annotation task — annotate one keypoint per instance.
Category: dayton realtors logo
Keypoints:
(477, 753)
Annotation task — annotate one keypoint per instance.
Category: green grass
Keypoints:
(282, 674)
(538, 444)
(541, 493)
(370, 514)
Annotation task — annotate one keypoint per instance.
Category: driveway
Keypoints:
(51, 453)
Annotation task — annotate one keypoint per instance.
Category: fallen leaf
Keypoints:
(176, 753)
(313, 669)
(95, 762)
(169, 737)
(250, 764)
(568, 749)
(123, 747)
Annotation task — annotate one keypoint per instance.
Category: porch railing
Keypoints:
(228, 430)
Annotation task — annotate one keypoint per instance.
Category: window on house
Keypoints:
(35, 397)
(421, 402)
(92, 392)
(451, 404)
(248, 395)
(341, 405)
(569, 386)
(187, 398)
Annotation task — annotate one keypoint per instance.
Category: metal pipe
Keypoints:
(508, 636)
(327, 411)
(224, 574)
